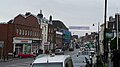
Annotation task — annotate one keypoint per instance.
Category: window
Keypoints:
(35, 33)
(23, 32)
(17, 31)
(20, 32)
(51, 38)
(49, 29)
(28, 33)
(47, 65)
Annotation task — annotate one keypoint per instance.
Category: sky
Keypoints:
(70, 12)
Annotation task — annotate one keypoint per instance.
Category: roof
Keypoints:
(51, 59)
(59, 24)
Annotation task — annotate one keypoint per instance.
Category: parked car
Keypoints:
(71, 49)
(53, 61)
(59, 52)
(77, 46)
(21, 55)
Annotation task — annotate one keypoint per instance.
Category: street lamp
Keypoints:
(105, 57)
(97, 46)
(97, 36)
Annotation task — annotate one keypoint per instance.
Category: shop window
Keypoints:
(30, 33)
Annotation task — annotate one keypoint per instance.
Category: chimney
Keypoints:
(27, 13)
(40, 15)
(86, 34)
(111, 18)
(50, 19)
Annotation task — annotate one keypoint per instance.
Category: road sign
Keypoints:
(109, 35)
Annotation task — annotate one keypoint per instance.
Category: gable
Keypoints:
(30, 20)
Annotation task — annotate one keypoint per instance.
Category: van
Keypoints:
(53, 61)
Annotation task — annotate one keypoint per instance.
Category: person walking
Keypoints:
(14, 54)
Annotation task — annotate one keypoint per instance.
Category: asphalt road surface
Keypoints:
(25, 62)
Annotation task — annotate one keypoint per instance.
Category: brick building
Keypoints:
(22, 34)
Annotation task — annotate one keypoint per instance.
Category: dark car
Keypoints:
(77, 46)
(59, 52)
(71, 49)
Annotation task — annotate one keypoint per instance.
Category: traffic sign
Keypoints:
(109, 35)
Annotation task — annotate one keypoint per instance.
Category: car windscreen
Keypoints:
(47, 65)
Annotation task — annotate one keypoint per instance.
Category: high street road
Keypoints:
(25, 62)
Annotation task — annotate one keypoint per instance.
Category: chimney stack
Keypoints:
(40, 15)
(27, 13)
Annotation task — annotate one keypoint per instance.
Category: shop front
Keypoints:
(24, 46)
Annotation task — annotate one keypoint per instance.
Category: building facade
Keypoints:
(22, 34)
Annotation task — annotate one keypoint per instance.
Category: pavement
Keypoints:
(16, 62)
(11, 59)
(7, 60)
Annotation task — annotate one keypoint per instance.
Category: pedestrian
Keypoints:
(34, 55)
(14, 54)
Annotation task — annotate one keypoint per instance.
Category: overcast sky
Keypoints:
(71, 12)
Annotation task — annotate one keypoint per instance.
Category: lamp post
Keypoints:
(104, 42)
(97, 36)
(97, 45)
(117, 31)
